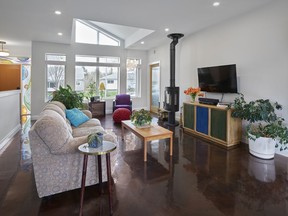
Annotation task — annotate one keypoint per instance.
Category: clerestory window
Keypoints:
(86, 32)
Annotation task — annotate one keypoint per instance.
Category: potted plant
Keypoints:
(90, 91)
(71, 99)
(95, 140)
(141, 118)
(264, 129)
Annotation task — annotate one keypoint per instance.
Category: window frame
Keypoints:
(98, 64)
(138, 77)
(54, 63)
(98, 32)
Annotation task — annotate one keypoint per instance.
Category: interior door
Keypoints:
(155, 87)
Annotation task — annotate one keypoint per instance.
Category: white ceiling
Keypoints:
(34, 20)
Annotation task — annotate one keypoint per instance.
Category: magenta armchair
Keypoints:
(122, 101)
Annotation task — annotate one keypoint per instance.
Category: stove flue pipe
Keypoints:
(175, 37)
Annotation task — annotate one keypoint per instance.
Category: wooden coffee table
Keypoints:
(155, 132)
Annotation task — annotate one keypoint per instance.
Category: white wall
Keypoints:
(9, 115)
(38, 70)
(257, 42)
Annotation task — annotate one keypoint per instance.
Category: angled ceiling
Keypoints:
(32, 20)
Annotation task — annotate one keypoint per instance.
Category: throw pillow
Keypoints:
(76, 117)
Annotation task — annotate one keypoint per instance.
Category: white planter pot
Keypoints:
(262, 147)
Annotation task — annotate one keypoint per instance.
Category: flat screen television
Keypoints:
(221, 79)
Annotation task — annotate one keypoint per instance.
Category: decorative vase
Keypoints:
(193, 96)
(95, 140)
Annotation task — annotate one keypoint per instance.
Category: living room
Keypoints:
(255, 40)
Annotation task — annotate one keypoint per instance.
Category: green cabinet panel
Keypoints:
(219, 124)
(188, 116)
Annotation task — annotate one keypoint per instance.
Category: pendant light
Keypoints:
(3, 52)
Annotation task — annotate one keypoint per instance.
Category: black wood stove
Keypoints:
(171, 94)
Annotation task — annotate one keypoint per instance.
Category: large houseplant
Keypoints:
(264, 125)
(70, 98)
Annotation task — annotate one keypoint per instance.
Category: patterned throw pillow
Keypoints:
(76, 117)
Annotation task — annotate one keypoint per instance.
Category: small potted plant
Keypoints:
(141, 118)
(90, 91)
(264, 129)
(95, 140)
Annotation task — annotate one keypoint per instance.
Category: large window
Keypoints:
(93, 70)
(133, 77)
(87, 32)
(55, 73)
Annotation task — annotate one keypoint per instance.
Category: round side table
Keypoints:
(105, 149)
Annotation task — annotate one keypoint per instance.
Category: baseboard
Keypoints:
(8, 138)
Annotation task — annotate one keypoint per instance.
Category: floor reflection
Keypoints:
(199, 179)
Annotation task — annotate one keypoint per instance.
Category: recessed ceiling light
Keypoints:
(60, 33)
(58, 12)
(216, 4)
(167, 29)
(142, 42)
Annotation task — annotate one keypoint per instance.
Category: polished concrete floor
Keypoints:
(200, 179)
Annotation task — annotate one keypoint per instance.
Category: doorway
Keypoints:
(154, 87)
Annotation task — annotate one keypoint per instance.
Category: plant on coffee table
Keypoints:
(141, 118)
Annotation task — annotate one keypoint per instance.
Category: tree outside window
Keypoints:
(55, 73)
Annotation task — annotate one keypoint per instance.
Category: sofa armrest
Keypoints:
(87, 113)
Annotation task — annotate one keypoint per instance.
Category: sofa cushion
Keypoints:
(59, 104)
(76, 117)
(85, 131)
(90, 123)
(54, 107)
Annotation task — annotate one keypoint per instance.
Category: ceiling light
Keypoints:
(58, 12)
(60, 33)
(142, 42)
(2, 51)
(167, 29)
(216, 4)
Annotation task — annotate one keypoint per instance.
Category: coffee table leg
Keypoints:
(122, 131)
(171, 145)
(109, 182)
(100, 172)
(83, 183)
(145, 150)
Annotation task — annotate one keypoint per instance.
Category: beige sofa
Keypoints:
(57, 163)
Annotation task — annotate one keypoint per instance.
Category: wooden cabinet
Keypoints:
(97, 108)
(213, 123)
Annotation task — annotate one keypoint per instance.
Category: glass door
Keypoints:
(155, 87)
